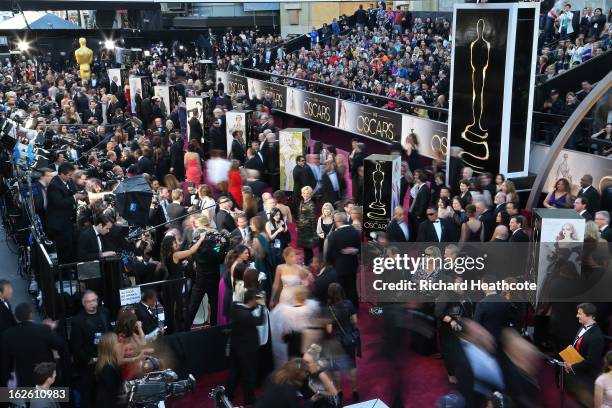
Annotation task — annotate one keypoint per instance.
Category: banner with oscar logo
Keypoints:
(232, 83)
(381, 189)
(312, 106)
(259, 89)
(368, 121)
(429, 137)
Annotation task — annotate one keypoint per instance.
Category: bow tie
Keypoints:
(436, 221)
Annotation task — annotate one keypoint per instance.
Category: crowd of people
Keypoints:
(280, 267)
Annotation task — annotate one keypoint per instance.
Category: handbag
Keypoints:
(350, 341)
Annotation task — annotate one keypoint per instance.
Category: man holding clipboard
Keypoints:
(583, 358)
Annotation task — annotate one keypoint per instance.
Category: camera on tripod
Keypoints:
(155, 387)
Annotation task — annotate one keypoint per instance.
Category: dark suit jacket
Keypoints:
(258, 187)
(493, 313)
(177, 161)
(244, 328)
(587, 215)
(60, 205)
(255, 163)
(519, 236)
(592, 349)
(607, 234)
(217, 138)
(83, 332)
(175, 210)
(195, 129)
(145, 165)
(150, 322)
(395, 233)
(6, 317)
(343, 237)
(328, 195)
(499, 208)
(421, 202)
(24, 346)
(225, 221)
(238, 152)
(88, 249)
(302, 176)
(594, 199)
(488, 221)
(322, 282)
(427, 231)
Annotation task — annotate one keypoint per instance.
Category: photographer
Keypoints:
(91, 245)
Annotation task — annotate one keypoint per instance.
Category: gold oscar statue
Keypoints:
(474, 132)
(84, 57)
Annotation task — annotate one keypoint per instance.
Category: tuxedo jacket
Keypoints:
(175, 210)
(255, 163)
(238, 152)
(607, 234)
(344, 237)
(395, 233)
(244, 328)
(6, 317)
(88, 248)
(591, 349)
(145, 165)
(587, 216)
(427, 232)
(225, 221)
(60, 205)
(594, 199)
(302, 176)
(421, 202)
(328, 195)
(488, 222)
(149, 320)
(195, 129)
(519, 236)
(177, 160)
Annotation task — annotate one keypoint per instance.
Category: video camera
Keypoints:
(155, 387)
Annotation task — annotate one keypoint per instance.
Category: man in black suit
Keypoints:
(91, 244)
(493, 312)
(602, 219)
(325, 276)
(177, 157)
(418, 206)
(434, 229)
(224, 219)
(499, 200)
(93, 113)
(272, 162)
(257, 186)
(517, 234)
(253, 161)
(302, 177)
(590, 193)
(61, 204)
(333, 187)
(25, 345)
(143, 164)
(244, 345)
(581, 205)
(487, 218)
(238, 152)
(242, 232)
(7, 319)
(590, 343)
(176, 210)
(145, 311)
(217, 136)
(398, 230)
(343, 247)
(86, 329)
(195, 127)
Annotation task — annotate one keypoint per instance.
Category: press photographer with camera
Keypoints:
(91, 245)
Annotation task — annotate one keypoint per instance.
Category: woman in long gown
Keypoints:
(226, 285)
(193, 167)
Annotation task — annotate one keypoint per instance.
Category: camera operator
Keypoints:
(145, 268)
(146, 314)
(207, 262)
(39, 190)
(86, 330)
(61, 203)
(91, 246)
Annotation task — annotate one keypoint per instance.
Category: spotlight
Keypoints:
(23, 46)
(181, 47)
(109, 44)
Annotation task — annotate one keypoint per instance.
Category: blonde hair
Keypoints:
(106, 351)
(591, 230)
(328, 206)
(307, 189)
(202, 220)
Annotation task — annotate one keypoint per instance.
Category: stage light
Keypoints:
(181, 47)
(109, 44)
(23, 46)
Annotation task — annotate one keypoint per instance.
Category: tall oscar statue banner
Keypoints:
(84, 57)
(292, 143)
(381, 189)
(491, 91)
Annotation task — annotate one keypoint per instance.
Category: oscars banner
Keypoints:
(168, 95)
(195, 116)
(237, 121)
(139, 86)
(259, 89)
(368, 121)
(312, 106)
(381, 189)
(118, 76)
(232, 83)
(292, 143)
(488, 48)
(431, 136)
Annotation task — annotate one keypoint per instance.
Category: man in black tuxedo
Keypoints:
(7, 319)
(590, 193)
(590, 343)
(224, 219)
(93, 113)
(517, 234)
(242, 232)
(39, 190)
(195, 127)
(61, 204)
(302, 176)
(419, 204)
(143, 164)
(581, 205)
(91, 244)
(145, 311)
(499, 200)
(86, 329)
(602, 219)
(333, 187)
(493, 312)
(487, 218)
(272, 162)
(254, 161)
(176, 210)
(177, 157)
(343, 247)
(436, 230)
(398, 230)
(27, 344)
(217, 136)
(238, 152)
(244, 345)
(257, 186)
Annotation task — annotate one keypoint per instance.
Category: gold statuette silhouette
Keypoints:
(84, 57)
(474, 133)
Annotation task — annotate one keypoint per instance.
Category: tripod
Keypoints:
(560, 365)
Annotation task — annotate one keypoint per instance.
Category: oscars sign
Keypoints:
(380, 190)
(491, 85)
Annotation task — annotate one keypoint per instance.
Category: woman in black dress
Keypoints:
(281, 391)
(108, 374)
(306, 224)
(171, 259)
